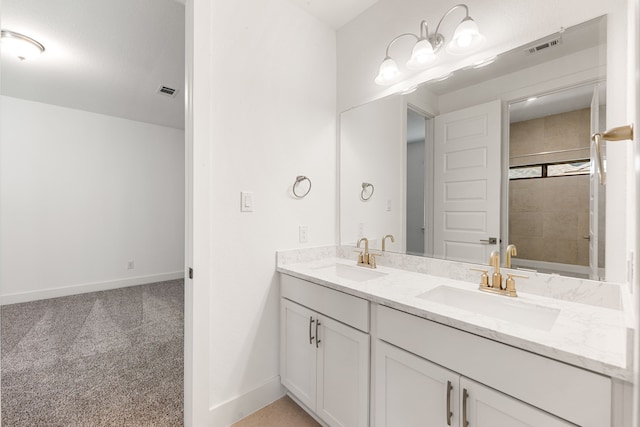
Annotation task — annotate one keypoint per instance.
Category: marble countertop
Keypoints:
(589, 337)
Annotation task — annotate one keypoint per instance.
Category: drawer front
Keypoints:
(342, 307)
(574, 394)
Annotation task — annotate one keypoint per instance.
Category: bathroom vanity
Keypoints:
(395, 347)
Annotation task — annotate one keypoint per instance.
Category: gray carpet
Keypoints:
(111, 358)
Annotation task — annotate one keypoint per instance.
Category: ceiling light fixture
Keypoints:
(20, 45)
(466, 38)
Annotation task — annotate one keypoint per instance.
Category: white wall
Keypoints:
(273, 115)
(571, 70)
(506, 25)
(83, 194)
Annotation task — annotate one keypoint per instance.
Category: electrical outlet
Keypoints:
(303, 233)
(130, 265)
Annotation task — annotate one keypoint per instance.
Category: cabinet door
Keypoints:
(411, 391)
(298, 351)
(486, 407)
(343, 374)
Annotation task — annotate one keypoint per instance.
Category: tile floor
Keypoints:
(282, 413)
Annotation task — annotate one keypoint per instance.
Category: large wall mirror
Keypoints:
(489, 156)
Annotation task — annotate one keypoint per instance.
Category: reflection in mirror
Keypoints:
(418, 241)
(441, 160)
(556, 205)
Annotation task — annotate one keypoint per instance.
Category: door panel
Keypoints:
(343, 375)
(467, 159)
(486, 407)
(298, 352)
(411, 391)
(594, 186)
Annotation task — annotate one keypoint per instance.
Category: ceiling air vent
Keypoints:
(543, 46)
(167, 91)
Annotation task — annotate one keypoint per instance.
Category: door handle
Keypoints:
(317, 336)
(621, 133)
(449, 413)
(586, 237)
(465, 395)
(311, 337)
(490, 241)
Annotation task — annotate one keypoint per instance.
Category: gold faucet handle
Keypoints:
(372, 260)
(484, 279)
(510, 284)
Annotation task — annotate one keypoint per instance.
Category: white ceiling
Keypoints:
(103, 56)
(335, 13)
(572, 99)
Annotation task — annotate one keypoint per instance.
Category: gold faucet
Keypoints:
(496, 278)
(388, 236)
(366, 259)
(511, 251)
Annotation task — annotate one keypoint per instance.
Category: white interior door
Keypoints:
(594, 190)
(467, 150)
(633, 67)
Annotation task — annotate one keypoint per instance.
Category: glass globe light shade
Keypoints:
(388, 72)
(421, 55)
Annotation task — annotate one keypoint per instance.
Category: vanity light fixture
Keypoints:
(20, 45)
(466, 38)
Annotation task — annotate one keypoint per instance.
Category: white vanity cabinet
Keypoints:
(411, 391)
(485, 407)
(417, 358)
(324, 353)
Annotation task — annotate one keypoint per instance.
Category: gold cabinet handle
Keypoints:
(317, 336)
(449, 413)
(465, 395)
(311, 337)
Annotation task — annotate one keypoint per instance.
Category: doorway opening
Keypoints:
(555, 202)
(419, 183)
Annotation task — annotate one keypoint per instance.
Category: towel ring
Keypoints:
(366, 185)
(299, 179)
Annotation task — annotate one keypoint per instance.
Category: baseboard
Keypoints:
(87, 287)
(235, 409)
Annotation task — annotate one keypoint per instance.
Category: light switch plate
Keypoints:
(246, 201)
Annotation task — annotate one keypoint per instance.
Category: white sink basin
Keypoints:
(496, 306)
(349, 272)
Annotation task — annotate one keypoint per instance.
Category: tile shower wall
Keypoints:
(549, 217)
